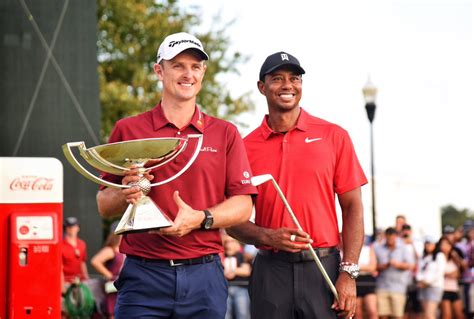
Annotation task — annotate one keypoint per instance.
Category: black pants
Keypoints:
(285, 290)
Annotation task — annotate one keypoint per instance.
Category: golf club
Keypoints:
(260, 179)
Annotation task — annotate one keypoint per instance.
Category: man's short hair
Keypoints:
(390, 231)
(406, 227)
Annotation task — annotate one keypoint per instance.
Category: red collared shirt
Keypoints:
(221, 170)
(72, 258)
(311, 163)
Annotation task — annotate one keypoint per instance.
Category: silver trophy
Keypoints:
(145, 155)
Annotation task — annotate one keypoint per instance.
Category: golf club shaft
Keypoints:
(311, 249)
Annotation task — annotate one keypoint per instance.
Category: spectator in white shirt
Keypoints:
(430, 277)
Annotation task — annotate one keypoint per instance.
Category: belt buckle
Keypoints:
(174, 264)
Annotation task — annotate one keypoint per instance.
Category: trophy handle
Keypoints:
(73, 161)
(191, 161)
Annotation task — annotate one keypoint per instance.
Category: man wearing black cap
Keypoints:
(312, 160)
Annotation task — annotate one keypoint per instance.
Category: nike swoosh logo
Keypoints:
(309, 140)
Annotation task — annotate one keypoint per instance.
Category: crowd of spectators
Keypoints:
(400, 279)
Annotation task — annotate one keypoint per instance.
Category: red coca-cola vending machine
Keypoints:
(31, 202)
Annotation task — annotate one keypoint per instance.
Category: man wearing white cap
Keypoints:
(176, 272)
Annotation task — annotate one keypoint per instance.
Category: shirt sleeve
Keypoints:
(238, 171)
(348, 174)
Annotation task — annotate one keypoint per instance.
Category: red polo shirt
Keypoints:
(73, 257)
(220, 170)
(311, 163)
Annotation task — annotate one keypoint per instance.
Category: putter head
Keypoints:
(260, 179)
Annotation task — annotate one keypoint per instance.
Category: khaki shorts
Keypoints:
(391, 303)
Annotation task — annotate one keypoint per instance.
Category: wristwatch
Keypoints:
(208, 220)
(350, 268)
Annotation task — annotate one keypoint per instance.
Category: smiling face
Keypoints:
(181, 76)
(282, 88)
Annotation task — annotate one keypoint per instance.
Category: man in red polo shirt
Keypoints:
(176, 272)
(313, 161)
(74, 254)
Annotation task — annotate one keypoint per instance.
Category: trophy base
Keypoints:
(141, 217)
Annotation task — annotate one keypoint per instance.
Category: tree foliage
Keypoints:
(129, 33)
(450, 215)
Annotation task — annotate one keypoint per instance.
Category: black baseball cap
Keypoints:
(278, 60)
(71, 221)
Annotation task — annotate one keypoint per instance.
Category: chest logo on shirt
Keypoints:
(309, 140)
(208, 149)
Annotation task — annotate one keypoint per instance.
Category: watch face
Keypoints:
(208, 223)
(208, 220)
(352, 270)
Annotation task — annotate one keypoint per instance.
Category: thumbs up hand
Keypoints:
(186, 220)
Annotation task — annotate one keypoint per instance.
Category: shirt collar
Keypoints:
(160, 120)
(301, 124)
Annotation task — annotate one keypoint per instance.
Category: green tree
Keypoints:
(450, 215)
(129, 33)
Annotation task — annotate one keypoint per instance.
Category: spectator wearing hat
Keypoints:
(176, 272)
(430, 277)
(314, 163)
(454, 235)
(74, 254)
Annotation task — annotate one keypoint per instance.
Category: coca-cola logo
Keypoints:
(32, 183)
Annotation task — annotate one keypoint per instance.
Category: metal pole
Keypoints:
(372, 172)
(370, 107)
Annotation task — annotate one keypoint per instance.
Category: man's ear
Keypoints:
(204, 70)
(261, 87)
(158, 68)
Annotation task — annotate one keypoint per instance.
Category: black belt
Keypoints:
(304, 255)
(176, 262)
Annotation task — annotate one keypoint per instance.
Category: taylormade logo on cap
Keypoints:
(173, 43)
(176, 43)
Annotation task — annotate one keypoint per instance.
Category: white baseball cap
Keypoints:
(176, 43)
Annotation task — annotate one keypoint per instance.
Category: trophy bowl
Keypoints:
(145, 155)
